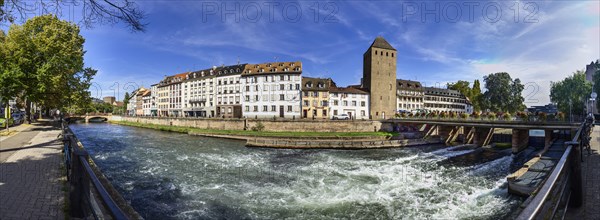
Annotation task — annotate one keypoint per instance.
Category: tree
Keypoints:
(462, 87)
(93, 11)
(596, 84)
(126, 99)
(476, 95)
(503, 93)
(574, 88)
(45, 63)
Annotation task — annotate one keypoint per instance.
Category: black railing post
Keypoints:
(80, 185)
(576, 180)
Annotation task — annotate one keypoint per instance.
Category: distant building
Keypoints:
(349, 100)
(97, 101)
(591, 69)
(272, 90)
(170, 95)
(446, 100)
(548, 109)
(315, 97)
(409, 95)
(146, 102)
(109, 99)
(379, 78)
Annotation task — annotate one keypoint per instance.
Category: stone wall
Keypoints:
(269, 125)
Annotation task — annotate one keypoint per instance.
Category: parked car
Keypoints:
(18, 118)
(341, 117)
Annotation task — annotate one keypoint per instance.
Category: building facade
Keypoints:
(170, 95)
(147, 103)
(591, 69)
(198, 94)
(272, 90)
(228, 94)
(315, 97)
(446, 100)
(379, 78)
(349, 100)
(109, 99)
(409, 96)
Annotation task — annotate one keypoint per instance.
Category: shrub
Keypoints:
(423, 114)
(491, 116)
(464, 115)
(476, 115)
(560, 116)
(542, 116)
(258, 127)
(507, 116)
(453, 114)
(443, 115)
(433, 114)
(403, 114)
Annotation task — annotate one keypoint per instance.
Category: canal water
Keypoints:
(176, 176)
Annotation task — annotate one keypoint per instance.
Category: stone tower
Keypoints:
(379, 77)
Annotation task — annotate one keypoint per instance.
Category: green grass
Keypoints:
(255, 133)
(503, 145)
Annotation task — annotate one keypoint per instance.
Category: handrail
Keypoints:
(81, 176)
(537, 203)
(112, 206)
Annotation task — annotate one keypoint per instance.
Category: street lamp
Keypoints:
(570, 112)
(593, 95)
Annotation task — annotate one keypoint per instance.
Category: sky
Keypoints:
(437, 42)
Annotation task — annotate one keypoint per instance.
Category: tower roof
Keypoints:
(382, 43)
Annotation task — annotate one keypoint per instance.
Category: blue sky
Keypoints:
(437, 42)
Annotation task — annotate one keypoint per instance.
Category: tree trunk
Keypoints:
(28, 111)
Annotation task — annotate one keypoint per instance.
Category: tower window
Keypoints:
(392, 54)
(375, 52)
(386, 54)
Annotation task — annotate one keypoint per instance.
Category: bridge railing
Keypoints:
(563, 188)
(88, 197)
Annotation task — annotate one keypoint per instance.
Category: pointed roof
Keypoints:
(382, 43)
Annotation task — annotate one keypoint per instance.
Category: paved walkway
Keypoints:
(591, 181)
(30, 176)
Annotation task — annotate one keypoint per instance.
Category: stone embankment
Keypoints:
(278, 125)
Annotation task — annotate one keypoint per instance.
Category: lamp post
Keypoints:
(570, 112)
(593, 99)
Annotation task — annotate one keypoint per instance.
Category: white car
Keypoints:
(341, 117)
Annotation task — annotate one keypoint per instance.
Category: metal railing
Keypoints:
(88, 198)
(563, 188)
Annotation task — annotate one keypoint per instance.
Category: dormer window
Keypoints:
(281, 64)
(269, 65)
(308, 85)
(321, 85)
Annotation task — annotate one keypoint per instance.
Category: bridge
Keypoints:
(480, 132)
(90, 116)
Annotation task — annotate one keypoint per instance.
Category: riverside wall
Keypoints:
(269, 125)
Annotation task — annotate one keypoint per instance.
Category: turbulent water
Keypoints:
(175, 176)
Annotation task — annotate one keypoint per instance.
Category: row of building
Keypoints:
(278, 89)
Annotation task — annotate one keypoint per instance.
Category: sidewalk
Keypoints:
(591, 182)
(30, 175)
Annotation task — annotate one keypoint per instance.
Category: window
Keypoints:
(255, 108)
(335, 112)
(297, 86)
(247, 99)
(273, 108)
(265, 108)
(345, 103)
(316, 94)
(335, 102)
(289, 108)
(256, 98)
(305, 94)
(247, 88)
(281, 78)
(362, 112)
(353, 103)
(281, 97)
(324, 112)
(362, 104)
(281, 87)
(305, 103)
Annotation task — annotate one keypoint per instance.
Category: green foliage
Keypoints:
(43, 63)
(574, 88)
(507, 116)
(258, 127)
(464, 115)
(126, 99)
(560, 116)
(476, 96)
(503, 93)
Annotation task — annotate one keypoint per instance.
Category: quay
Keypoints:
(32, 183)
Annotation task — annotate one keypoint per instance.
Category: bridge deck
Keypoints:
(493, 124)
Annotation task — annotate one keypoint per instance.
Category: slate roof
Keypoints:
(350, 90)
(382, 43)
(315, 82)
